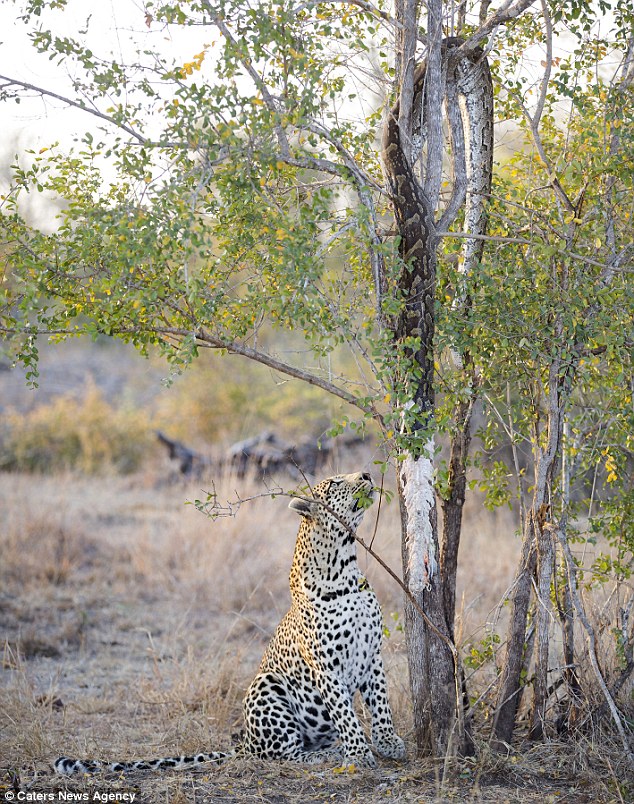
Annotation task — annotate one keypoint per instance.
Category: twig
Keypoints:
(378, 513)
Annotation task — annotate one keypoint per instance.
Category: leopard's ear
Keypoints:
(303, 507)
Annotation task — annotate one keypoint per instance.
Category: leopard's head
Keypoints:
(336, 500)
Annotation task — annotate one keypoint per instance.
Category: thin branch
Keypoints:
(207, 340)
(506, 13)
(227, 510)
(313, 163)
(377, 259)
(518, 473)
(543, 91)
(76, 104)
(609, 268)
(369, 9)
(453, 108)
(360, 178)
(375, 12)
(253, 74)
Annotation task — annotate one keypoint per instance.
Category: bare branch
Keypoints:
(621, 87)
(505, 13)
(609, 269)
(207, 339)
(459, 157)
(543, 90)
(377, 260)
(213, 508)
(360, 177)
(8, 82)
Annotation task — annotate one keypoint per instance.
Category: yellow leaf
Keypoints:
(597, 242)
(610, 467)
(345, 769)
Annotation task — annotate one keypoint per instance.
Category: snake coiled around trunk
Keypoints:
(468, 100)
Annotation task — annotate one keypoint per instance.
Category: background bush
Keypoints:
(89, 434)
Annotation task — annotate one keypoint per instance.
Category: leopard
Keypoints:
(299, 706)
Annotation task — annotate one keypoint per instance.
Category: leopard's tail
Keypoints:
(68, 767)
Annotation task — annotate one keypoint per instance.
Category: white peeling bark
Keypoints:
(419, 499)
(429, 654)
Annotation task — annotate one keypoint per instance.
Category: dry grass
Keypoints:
(131, 626)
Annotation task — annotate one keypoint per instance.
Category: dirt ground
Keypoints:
(131, 626)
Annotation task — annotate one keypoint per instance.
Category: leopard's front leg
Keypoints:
(374, 693)
(339, 704)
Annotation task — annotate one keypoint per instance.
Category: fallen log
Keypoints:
(190, 463)
(265, 453)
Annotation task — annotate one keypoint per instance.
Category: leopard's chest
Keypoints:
(348, 631)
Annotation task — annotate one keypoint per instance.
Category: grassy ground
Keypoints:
(132, 625)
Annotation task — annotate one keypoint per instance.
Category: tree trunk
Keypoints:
(508, 695)
(533, 538)
(452, 507)
(565, 607)
(540, 684)
(453, 504)
(431, 661)
(565, 604)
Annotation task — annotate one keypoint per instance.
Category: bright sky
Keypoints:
(116, 29)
